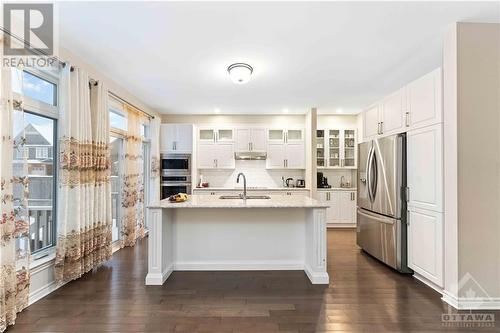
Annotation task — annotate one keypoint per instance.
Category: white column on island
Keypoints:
(160, 246)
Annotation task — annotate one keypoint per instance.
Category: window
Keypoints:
(116, 148)
(41, 152)
(39, 146)
(117, 116)
(35, 87)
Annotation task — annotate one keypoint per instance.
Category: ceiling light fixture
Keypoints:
(216, 110)
(285, 111)
(338, 110)
(240, 72)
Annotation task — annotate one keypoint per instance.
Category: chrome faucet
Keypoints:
(244, 184)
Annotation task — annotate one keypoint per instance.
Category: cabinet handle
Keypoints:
(249, 146)
(407, 194)
(286, 137)
(381, 127)
(287, 163)
(407, 122)
(407, 217)
(214, 163)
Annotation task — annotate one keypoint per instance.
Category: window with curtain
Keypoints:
(35, 133)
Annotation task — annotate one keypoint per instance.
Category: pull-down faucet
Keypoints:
(244, 184)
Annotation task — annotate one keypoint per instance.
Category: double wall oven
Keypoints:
(175, 174)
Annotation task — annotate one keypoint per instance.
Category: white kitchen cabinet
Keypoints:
(425, 168)
(176, 138)
(425, 244)
(339, 147)
(209, 134)
(251, 139)
(424, 100)
(216, 155)
(392, 113)
(342, 207)
(371, 122)
(285, 149)
(417, 105)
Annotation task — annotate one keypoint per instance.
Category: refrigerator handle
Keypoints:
(368, 174)
(374, 173)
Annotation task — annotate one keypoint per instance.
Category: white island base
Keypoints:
(208, 234)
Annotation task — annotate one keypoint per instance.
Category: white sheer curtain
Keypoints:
(133, 185)
(154, 188)
(14, 219)
(84, 210)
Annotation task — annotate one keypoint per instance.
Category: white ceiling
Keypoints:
(331, 55)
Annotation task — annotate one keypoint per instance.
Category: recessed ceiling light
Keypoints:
(216, 110)
(240, 72)
(339, 110)
(285, 110)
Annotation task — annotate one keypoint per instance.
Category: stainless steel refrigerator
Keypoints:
(381, 213)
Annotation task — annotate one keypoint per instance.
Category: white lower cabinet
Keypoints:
(425, 244)
(342, 207)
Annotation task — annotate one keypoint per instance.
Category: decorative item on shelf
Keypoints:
(179, 197)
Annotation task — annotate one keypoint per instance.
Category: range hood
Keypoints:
(250, 155)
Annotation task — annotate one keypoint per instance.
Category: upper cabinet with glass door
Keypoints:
(336, 148)
(206, 134)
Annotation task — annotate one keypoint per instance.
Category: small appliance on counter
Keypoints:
(301, 183)
(322, 182)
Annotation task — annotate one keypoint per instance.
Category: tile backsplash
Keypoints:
(256, 174)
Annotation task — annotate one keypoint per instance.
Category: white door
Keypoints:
(392, 113)
(243, 139)
(258, 139)
(334, 209)
(295, 156)
(275, 156)
(424, 100)
(370, 122)
(225, 156)
(207, 153)
(425, 168)
(167, 137)
(347, 207)
(425, 244)
(184, 138)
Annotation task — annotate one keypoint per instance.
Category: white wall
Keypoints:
(472, 164)
(271, 120)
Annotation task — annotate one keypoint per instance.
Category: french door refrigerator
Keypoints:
(381, 212)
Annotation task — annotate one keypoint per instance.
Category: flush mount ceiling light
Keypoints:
(240, 72)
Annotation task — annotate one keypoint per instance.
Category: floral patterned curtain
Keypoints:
(133, 184)
(84, 211)
(14, 223)
(155, 160)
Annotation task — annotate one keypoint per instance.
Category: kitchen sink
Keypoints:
(241, 197)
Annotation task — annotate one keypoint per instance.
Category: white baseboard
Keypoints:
(427, 282)
(267, 265)
(465, 303)
(157, 279)
(315, 277)
(42, 292)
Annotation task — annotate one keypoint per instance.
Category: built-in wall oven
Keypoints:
(175, 174)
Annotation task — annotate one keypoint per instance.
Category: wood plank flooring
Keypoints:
(363, 296)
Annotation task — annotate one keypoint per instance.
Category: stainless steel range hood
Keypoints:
(250, 155)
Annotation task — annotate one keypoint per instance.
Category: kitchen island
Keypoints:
(209, 233)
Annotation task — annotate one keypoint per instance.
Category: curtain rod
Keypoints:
(130, 104)
(63, 64)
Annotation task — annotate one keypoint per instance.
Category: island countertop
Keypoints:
(208, 201)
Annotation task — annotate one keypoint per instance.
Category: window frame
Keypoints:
(49, 111)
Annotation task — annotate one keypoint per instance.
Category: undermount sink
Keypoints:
(241, 197)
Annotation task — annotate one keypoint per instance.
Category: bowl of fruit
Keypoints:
(179, 197)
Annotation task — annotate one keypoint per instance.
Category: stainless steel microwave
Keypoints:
(175, 164)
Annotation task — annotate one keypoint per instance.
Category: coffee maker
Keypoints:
(322, 182)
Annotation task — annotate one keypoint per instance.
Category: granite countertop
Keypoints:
(209, 201)
(338, 189)
(251, 189)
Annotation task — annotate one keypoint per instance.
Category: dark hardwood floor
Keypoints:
(363, 296)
